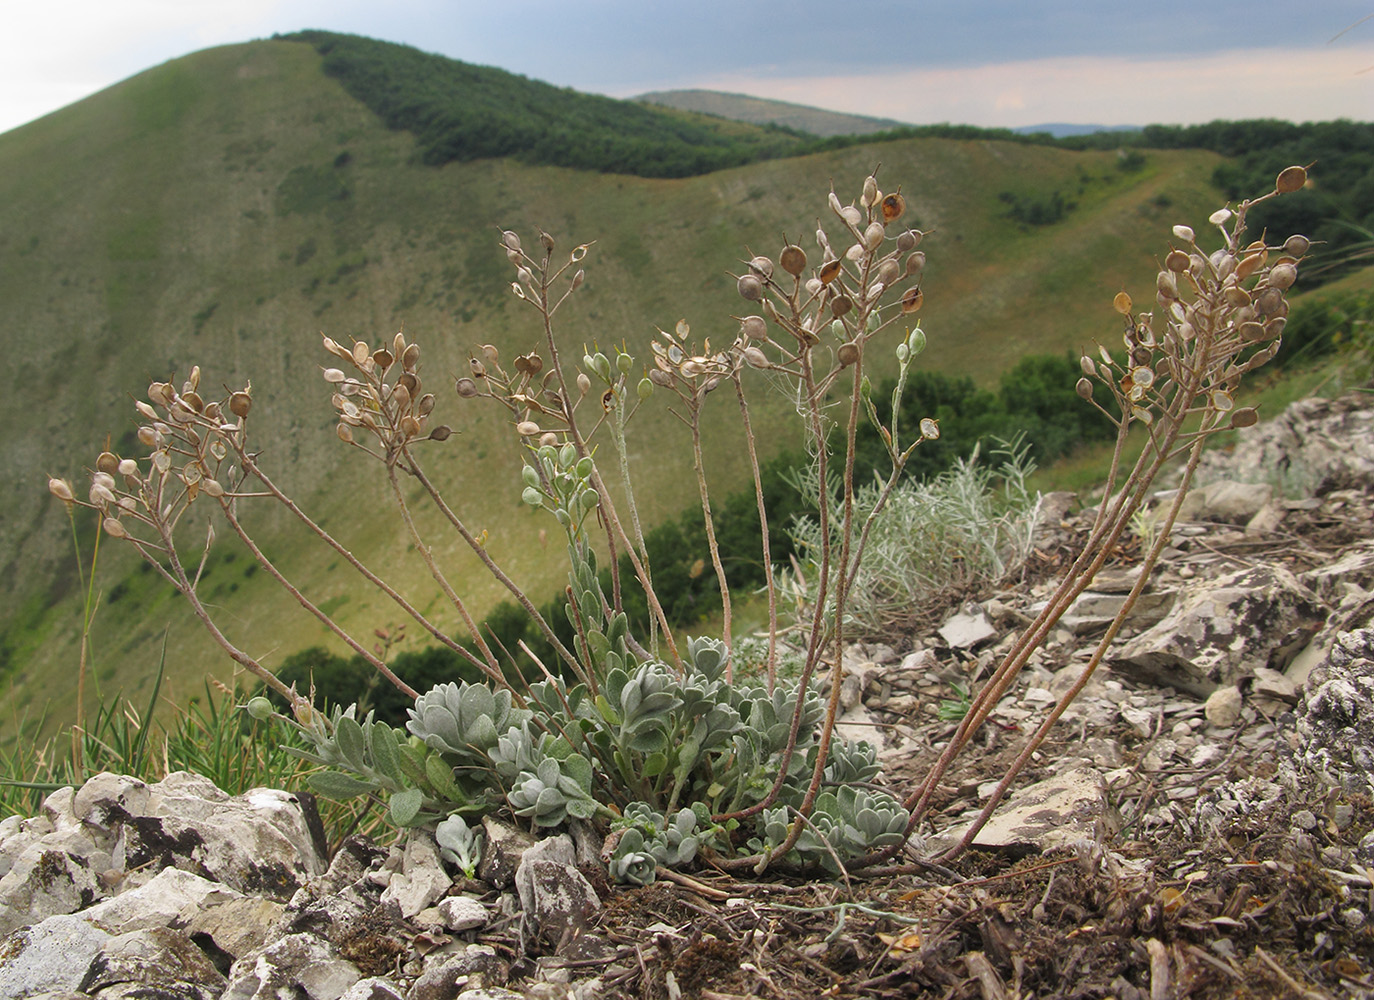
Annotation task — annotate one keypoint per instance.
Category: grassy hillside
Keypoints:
(461, 112)
(225, 208)
(760, 111)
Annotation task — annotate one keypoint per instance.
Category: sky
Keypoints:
(995, 63)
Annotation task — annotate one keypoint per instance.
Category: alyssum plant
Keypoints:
(649, 735)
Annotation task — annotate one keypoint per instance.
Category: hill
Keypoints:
(761, 111)
(225, 208)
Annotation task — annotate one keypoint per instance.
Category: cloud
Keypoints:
(1313, 84)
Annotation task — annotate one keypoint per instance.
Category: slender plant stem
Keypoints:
(770, 586)
(491, 668)
(492, 567)
(309, 605)
(694, 408)
(251, 467)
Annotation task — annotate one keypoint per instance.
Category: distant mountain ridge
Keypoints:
(761, 111)
(1062, 130)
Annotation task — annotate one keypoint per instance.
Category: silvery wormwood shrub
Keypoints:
(648, 734)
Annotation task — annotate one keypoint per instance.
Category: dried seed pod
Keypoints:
(1221, 399)
(660, 378)
(61, 489)
(873, 235)
(754, 328)
(147, 436)
(548, 440)
(1290, 179)
(1283, 275)
(841, 305)
(1184, 233)
(893, 207)
(1246, 416)
(527, 428)
(930, 428)
(1236, 297)
(852, 216)
(848, 354)
(1297, 246)
(193, 400)
(466, 388)
(830, 270)
(909, 240)
(813, 286)
(360, 353)
(1220, 217)
(333, 375)
(584, 383)
(1176, 261)
(835, 205)
(107, 462)
(889, 271)
(240, 403)
(426, 405)
(410, 427)
(113, 528)
(383, 358)
(750, 288)
(755, 358)
(915, 264)
(128, 467)
(410, 357)
(793, 259)
(1274, 327)
(410, 382)
(212, 487)
(856, 252)
(1269, 300)
(870, 194)
(1165, 286)
(160, 393)
(510, 240)
(1251, 332)
(546, 241)
(1249, 265)
(1084, 388)
(1086, 363)
(345, 433)
(761, 266)
(912, 299)
(1122, 303)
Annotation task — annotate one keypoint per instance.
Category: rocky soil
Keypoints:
(1200, 823)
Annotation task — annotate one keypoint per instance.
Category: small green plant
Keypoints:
(644, 732)
(956, 531)
(956, 708)
(459, 844)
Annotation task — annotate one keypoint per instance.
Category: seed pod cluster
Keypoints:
(380, 396)
(868, 276)
(1219, 316)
